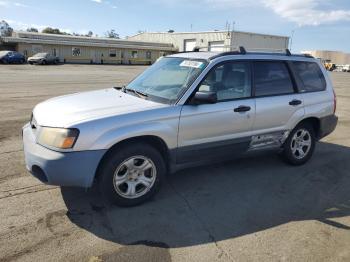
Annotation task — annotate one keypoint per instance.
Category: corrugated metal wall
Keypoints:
(178, 39)
(203, 39)
(259, 41)
(336, 57)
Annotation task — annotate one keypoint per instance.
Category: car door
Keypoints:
(210, 131)
(10, 57)
(278, 104)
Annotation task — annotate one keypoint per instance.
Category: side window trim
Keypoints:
(248, 61)
(285, 62)
(297, 81)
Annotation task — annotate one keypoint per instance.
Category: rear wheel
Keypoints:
(300, 144)
(131, 174)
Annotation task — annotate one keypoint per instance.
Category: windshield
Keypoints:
(167, 79)
(40, 55)
(3, 53)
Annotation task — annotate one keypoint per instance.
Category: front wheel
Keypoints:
(300, 145)
(131, 174)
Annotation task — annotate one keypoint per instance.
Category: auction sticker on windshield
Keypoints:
(191, 63)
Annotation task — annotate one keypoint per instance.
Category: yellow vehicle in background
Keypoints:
(330, 66)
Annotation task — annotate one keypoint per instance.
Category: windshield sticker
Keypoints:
(190, 63)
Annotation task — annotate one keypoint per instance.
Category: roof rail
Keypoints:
(242, 51)
(239, 51)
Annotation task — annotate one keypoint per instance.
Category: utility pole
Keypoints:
(291, 40)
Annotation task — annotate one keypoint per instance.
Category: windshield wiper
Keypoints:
(119, 88)
(139, 93)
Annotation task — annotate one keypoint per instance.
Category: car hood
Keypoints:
(68, 110)
(35, 57)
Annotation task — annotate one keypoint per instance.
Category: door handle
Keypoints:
(295, 102)
(242, 109)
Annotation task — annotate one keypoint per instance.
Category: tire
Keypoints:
(43, 62)
(300, 144)
(122, 178)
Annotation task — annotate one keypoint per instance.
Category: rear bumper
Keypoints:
(327, 125)
(57, 168)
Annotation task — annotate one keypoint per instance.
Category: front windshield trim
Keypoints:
(183, 90)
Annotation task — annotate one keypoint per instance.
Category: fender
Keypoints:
(165, 131)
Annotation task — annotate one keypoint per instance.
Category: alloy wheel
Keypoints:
(134, 177)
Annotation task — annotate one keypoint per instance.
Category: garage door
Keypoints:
(189, 44)
(216, 46)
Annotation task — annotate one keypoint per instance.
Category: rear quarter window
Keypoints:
(310, 75)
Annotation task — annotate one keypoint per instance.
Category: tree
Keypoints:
(32, 29)
(55, 31)
(112, 34)
(49, 30)
(5, 29)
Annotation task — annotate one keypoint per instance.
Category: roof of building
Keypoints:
(40, 38)
(210, 32)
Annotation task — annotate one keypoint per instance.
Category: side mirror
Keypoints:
(204, 98)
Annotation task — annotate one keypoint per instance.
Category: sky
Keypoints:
(314, 24)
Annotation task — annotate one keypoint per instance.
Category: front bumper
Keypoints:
(57, 168)
(34, 61)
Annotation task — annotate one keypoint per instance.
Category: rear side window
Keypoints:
(311, 76)
(272, 78)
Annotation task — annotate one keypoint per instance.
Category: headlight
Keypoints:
(58, 137)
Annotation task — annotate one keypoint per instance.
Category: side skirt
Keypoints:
(216, 152)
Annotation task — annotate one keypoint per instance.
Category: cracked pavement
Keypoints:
(248, 209)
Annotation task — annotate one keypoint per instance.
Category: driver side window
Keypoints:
(229, 80)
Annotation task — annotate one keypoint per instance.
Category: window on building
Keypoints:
(76, 51)
(311, 76)
(122, 54)
(37, 49)
(229, 81)
(148, 55)
(272, 78)
(112, 53)
(134, 54)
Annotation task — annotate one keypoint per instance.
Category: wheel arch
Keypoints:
(152, 140)
(314, 122)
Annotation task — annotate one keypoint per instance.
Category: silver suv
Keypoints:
(187, 109)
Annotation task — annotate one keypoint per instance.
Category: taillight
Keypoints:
(335, 102)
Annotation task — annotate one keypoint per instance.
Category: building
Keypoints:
(215, 40)
(336, 57)
(77, 49)
(144, 48)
